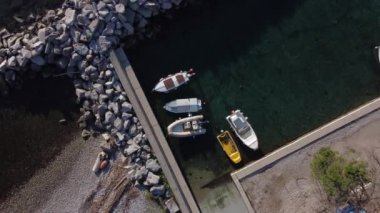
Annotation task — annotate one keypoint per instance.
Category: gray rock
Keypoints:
(109, 118)
(147, 13)
(132, 130)
(81, 49)
(120, 8)
(26, 53)
(82, 65)
(152, 179)
(101, 5)
(109, 30)
(57, 50)
(93, 27)
(75, 34)
(126, 116)
(90, 69)
(42, 35)
(114, 106)
(152, 165)
(117, 86)
(80, 93)
(76, 58)
(99, 88)
(103, 98)
(21, 60)
(67, 51)
(120, 136)
(147, 148)
(126, 124)
(38, 60)
(94, 95)
(106, 147)
(87, 116)
(118, 124)
(63, 37)
(85, 134)
(12, 62)
(131, 149)
(87, 9)
(50, 15)
(69, 16)
(126, 107)
(157, 190)
(108, 73)
(48, 48)
(104, 43)
(82, 20)
(141, 173)
(129, 28)
(103, 12)
(102, 109)
(171, 205)
(3, 65)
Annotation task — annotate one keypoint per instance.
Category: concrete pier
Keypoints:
(156, 138)
(298, 144)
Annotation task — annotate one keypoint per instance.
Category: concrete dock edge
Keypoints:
(160, 146)
(298, 144)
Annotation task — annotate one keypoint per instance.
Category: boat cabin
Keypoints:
(241, 125)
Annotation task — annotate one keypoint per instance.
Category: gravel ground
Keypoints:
(65, 184)
(287, 186)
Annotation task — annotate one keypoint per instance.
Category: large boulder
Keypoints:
(157, 190)
(151, 179)
(131, 149)
(152, 165)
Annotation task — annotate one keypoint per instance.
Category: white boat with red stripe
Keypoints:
(172, 82)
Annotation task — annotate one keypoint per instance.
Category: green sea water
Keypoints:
(290, 66)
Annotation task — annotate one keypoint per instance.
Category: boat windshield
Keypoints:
(242, 127)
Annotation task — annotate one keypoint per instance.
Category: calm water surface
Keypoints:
(290, 66)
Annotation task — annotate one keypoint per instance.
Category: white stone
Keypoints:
(152, 179)
(69, 16)
(120, 8)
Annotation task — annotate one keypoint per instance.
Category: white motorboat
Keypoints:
(172, 82)
(243, 129)
(187, 127)
(186, 105)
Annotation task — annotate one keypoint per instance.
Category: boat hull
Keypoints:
(176, 129)
(229, 146)
(186, 105)
(172, 82)
(251, 141)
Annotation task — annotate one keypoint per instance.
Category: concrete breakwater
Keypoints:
(78, 38)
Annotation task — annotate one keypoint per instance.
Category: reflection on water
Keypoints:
(290, 66)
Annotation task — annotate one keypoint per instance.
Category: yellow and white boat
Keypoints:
(229, 146)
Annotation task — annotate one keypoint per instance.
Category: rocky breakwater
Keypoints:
(78, 38)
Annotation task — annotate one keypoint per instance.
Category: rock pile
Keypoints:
(77, 38)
